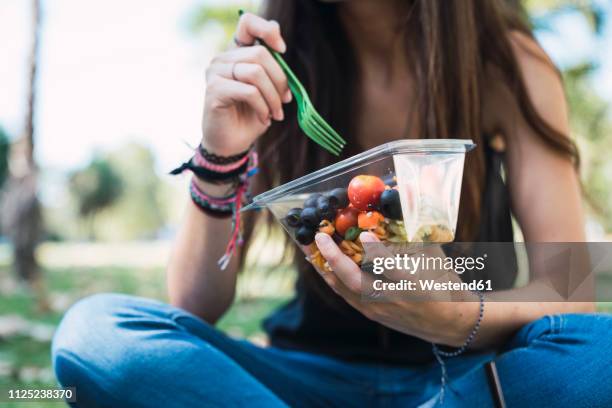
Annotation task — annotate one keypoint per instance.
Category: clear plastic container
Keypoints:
(403, 191)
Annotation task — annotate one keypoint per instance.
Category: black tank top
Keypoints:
(309, 322)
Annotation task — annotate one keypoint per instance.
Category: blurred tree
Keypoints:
(542, 12)
(20, 214)
(4, 156)
(138, 212)
(225, 16)
(95, 187)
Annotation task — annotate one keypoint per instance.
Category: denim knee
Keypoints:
(93, 351)
(591, 330)
(87, 322)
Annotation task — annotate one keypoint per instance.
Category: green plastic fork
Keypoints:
(310, 121)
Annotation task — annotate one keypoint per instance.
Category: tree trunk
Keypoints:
(21, 213)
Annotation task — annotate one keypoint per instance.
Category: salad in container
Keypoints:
(403, 191)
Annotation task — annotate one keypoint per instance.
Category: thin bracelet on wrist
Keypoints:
(440, 355)
(470, 337)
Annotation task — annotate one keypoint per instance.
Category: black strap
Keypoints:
(210, 175)
(495, 385)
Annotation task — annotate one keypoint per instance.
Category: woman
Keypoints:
(379, 70)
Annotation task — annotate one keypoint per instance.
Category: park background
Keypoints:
(100, 99)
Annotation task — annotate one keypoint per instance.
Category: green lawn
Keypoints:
(24, 355)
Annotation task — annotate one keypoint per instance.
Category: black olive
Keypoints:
(293, 217)
(305, 235)
(390, 204)
(310, 217)
(326, 210)
(338, 198)
(312, 200)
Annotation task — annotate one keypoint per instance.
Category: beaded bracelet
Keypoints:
(439, 354)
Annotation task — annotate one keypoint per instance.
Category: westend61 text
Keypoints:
(430, 284)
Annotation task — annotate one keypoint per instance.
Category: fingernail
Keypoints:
(283, 47)
(267, 122)
(322, 239)
(280, 115)
(288, 96)
(367, 237)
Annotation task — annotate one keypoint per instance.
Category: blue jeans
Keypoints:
(121, 351)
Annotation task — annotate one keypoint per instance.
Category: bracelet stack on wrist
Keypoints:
(216, 169)
(439, 354)
(234, 170)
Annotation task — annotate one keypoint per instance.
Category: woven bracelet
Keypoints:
(215, 159)
(221, 207)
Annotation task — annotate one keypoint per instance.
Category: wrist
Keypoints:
(457, 321)
(466, 318)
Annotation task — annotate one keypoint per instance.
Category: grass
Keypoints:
(24, 358)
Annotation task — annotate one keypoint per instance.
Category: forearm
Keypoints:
(505, 312)
(501, 319)
(195, 281)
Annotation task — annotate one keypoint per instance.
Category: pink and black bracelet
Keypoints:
(220, 207)
(211, 168)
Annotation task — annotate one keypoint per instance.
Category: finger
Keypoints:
(368, 237)
(338, 286)
(374, 246)
(226, 92)
(260, 55)
(255, 75)
(375, 249)
(252, 27)
(343, 267)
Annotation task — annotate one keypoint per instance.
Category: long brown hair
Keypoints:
(451, 43)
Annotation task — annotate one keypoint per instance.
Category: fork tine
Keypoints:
(312, 119)
(312, 114)
(328, 129)
(316, 136)
(321, 134)
(308, 125)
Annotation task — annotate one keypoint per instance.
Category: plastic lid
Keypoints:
(403, 146)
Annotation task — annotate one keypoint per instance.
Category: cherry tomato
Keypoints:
(364, 191)
(369, 219)
(346, 219)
